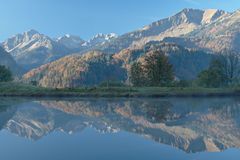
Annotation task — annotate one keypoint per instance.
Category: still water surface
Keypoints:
(120, 129)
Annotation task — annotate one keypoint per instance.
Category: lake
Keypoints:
(120, 129)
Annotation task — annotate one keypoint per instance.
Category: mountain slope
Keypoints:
(180, 24)
(95, 67)
(77, 70)
(71, 42)
(217, 36)
(32, 49)
(8, 61)
(210, 30)
(101, 39)
(187, 64)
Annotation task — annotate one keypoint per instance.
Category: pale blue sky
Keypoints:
(88, 17)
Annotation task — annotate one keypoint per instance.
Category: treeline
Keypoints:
(155, 70)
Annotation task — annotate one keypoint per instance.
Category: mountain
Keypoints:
(77, 70)
(32, 49)
(187, 63)
(7, 60)
(95, 67)
(71, 42)
(217, 36)
(101, 39)
(209, 30)
(184, 22)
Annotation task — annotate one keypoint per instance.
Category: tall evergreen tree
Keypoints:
(158, 69)
(214, 76)
(137, 74)
(5, 74)
(223, 71)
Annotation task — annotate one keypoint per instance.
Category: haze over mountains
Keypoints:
(211, 31)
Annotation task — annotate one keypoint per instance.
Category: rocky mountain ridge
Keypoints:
(32, 49)
(209, 30)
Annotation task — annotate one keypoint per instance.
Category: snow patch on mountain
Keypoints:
(71, 41)
(101, 38)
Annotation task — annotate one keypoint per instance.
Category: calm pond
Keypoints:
(120, 129)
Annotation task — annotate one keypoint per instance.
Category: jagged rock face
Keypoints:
(7, 60)
(101, 39)
(77, 70)
(178, 25)
(71, 42)
(215, 37)
(32, 49)
(213, 30)
(192, 125)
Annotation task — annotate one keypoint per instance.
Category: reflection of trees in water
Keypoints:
(193, 125)
(153, 110)
(228, 109)
(181, 122)
(4, 117)
(7, 109)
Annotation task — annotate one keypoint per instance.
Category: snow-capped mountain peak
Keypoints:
(28, 40)
(32, 49)
(31, 32)
(101, 38)
(68, 35)
(105, 36)
(71, 41)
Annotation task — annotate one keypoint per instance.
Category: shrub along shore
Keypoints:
(10, 89)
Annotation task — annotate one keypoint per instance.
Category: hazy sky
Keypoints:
(88, 17)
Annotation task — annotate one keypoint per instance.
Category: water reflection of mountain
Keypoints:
(193, 125)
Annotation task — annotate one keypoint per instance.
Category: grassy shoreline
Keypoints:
(24, 90)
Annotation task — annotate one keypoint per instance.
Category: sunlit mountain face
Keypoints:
(210, 30)
(191, 125)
